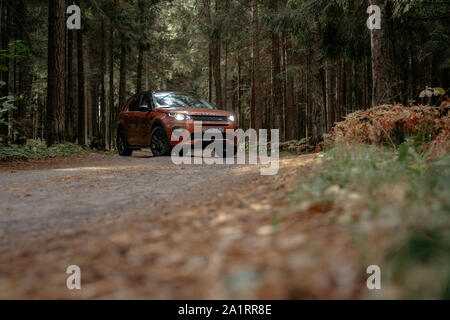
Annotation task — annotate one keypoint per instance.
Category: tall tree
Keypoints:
(256, 108)
(122, 76)
(56, 72)
(70, 88)
(112, 110)
(214, 50)
(81, 93)
(104, 121)
(382, 66)
(277, 94)
(141, 44)
(316, 84)
(5, 34)
(290, 99)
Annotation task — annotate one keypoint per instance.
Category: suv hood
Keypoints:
(195, 112)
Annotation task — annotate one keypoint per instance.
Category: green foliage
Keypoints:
(37, 149)
(16, 49)
(6, 105)
(394, 206)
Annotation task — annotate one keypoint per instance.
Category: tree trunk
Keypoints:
(112, 110)
(225, 77)
(207, 11)
(382, 65)
(256, 104)
(81, 93)
(239, 92)
(340, 90)
(5, 25)
(104, 121)
(70, 88)
(317, 96)
(140, 68)
(214, 46)
(329, 78)
(290, 100)
(277, 96)
(210, 72)
(141, 43)
(56, 74)
(217, 73)
(21, 16)
(122, 77)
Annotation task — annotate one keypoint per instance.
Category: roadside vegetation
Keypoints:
(389, 191)
(37, 149)
(394, 206)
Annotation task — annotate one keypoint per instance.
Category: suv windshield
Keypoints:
(181, 100)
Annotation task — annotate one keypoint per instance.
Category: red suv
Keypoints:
(150, 118)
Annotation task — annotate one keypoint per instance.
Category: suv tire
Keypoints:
(122, 144)
(159, 142)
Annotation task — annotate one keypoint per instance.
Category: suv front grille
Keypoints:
(210, 118)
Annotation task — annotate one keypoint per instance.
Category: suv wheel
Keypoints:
(122, 145)
(159, 143)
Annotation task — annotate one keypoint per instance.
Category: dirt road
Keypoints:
(36, 202)
(142, 227)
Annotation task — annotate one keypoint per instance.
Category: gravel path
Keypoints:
(144, 228)
(92, 191)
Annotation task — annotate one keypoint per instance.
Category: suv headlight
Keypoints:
(231, 118)
(179, 116)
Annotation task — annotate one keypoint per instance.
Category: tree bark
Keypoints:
(214, 52)
(330, 76)
(290, 100)
(5, 25)
(70, 88)
(122, 77)
(277, 96)
(81, 91)
(104, 121)
(241, 118)
(217, 72)
(140, 67)
(225, 79)
(256, 101)
(316, 86)
(56, 72)
(382, 65)
(112, 110)
(21, 16)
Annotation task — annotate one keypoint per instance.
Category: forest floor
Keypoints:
(143, 227)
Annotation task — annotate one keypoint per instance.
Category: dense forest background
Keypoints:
(296, 65)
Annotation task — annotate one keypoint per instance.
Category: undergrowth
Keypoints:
(37, 149)
(394, 204)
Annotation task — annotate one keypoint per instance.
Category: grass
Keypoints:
(37, 149)
(395, 207)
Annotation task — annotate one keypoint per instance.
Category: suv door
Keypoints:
(132, 121)
(146, 119)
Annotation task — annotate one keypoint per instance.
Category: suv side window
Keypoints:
(128, 102)
(134, 106)
(146, 101)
